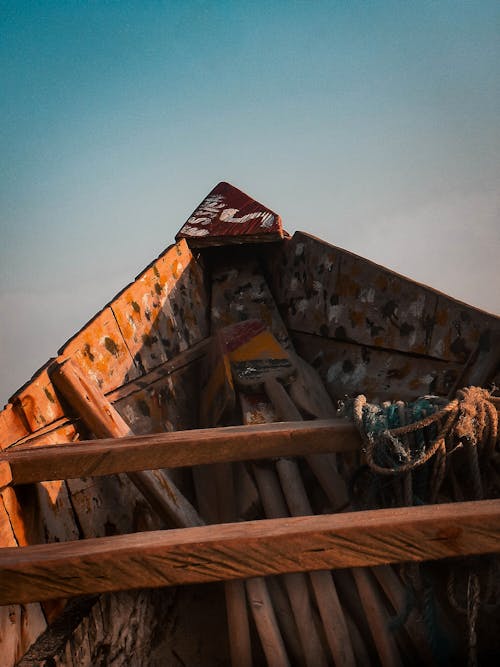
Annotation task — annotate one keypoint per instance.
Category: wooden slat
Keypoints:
(241, 550)
(179, 362)
(240, 292)
(12, 427)
(38, 401)
(93, 458)
(349, 369)
(330, 292)
(164, 311)
(228, 215)
(102, 418)
(101, 352)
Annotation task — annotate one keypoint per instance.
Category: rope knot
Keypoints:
(470, 419)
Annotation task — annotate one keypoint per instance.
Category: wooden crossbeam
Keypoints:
(242, 550)
(177, 449)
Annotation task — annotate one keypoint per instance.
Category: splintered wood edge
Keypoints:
(94, 458)
(241, 550)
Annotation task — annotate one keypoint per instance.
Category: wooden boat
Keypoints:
(165, 373)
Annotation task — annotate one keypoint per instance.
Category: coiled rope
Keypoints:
(469, 421)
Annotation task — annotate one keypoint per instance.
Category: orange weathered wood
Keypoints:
(101, 352)
(163, 311)
(235, 551)
(179, 448)
(38, 401)
(12, 426)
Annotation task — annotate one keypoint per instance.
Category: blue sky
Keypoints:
(375, 125)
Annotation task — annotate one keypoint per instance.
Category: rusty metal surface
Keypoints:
(228, 215)
(164, 311)
(348, 370)
(332, 293)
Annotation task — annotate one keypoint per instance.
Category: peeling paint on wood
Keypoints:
(240, 293)
(228, 215)
(458, 329)
(38, 401)
(330, 292)
(101, 352)
(163, 312)
(348, 370)
(169, 403)
(12, 426)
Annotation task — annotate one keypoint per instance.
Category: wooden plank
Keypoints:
(170, 403)
(327, 291)
(12, 426)
(101, 352)
(180, 361)
(458, 329)
(180, 448)
(242, 550)
(59, 431)
(19, 625)
(38, 400)
(228, 215)
(348, 369)
(163, 312)
(240, 292)
(102, 418)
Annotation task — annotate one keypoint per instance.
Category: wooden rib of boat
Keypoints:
(125, 501)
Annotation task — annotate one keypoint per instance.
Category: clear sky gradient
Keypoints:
(374, 125)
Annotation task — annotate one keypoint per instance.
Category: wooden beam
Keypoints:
(93, 458)
(241, 550)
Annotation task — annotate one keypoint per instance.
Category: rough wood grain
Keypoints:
(101, 352)
(12, 426)
(163, 311)
(102, 418)
(38, 401)
(170, 403)
(228, 215)
(265, 621)
(59, 431)
(324, 290)
(20, 625)
(233, 551)
(240, 292)
(325, 593)
(179, 448)
(158, 374)
(377, 617)
(458, 329)
(348, 369)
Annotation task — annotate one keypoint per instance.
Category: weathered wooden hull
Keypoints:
(365, 330)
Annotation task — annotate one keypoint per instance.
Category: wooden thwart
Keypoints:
(179, 448)
(241, 550)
